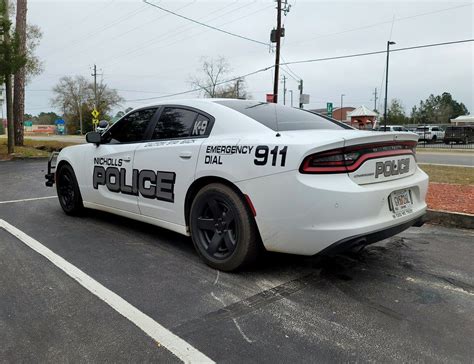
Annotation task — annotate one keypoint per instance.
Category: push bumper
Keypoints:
(50, 176)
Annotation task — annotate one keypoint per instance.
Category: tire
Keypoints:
(433, 140)
(68, 191)
(223, 229)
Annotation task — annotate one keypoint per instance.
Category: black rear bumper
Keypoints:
(366, 239)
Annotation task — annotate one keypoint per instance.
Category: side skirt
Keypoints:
(149, 220)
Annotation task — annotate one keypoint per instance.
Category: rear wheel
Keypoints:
(223, 230)
(68, 191)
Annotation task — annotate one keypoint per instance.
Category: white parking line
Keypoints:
(28, 199)
(180, 348)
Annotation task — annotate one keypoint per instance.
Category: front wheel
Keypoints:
(223, 230)
(68, 191)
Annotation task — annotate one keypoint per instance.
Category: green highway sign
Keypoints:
(329, 109)
(28, 123)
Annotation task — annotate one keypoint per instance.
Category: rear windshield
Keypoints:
(281, 118)
(422, 128)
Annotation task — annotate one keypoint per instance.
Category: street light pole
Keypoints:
(342, 98)
(389, 43)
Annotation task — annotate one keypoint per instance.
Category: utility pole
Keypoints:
(342, 98)
(95, 86)
(300, 87)
(291, 93)
(375, 99)
(389, 43)
(237, 88)
(284, 90)
(277, 54)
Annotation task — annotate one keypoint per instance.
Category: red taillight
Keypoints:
(348, 159)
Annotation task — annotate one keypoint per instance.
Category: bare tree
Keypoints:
(71, 94)
(75, 96)
(212, 78)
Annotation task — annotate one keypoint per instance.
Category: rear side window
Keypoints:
(201, 126)
(280, 118)
(132, 127)
(174, 123)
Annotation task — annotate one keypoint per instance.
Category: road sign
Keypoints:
(59, 121)
(28, 123)
(304, 99)
(95, 121)
(269, 98)
(329, 109)
(95, 113)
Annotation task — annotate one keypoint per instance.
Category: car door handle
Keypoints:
(127, 158)
(185, 155)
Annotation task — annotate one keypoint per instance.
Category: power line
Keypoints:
(120, 35)
(94, 33)
(378, 52)
(380, 23)
(169, 34)
(141, 49)
(200, 88)
(311, 61)
(206, 25)
(290, 72)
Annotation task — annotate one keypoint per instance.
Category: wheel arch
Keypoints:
(199, 183)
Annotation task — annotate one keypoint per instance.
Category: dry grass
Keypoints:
(32, 149)
(449, 174)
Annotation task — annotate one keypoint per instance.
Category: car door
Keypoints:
(112, 176)
(169, 162)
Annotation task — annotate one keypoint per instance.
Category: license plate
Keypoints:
(401, 203)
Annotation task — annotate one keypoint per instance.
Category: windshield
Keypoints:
(422, 128)
(281, 118)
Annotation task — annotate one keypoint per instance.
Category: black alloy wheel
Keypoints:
(223, 230)
(217, 228)
(68, 190)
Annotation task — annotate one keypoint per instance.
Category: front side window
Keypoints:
(132, 127)
(174, 123)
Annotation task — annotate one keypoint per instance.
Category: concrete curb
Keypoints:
(450, 219)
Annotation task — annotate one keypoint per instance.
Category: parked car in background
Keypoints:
(392, 128)
(430, 133)
(102, 127)
(459, 134)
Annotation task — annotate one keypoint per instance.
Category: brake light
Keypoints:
(348, 159)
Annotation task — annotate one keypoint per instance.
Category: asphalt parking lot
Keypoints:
(409, 298)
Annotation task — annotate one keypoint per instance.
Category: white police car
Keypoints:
(240, 175)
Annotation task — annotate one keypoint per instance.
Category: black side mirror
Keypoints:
(93, 137)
